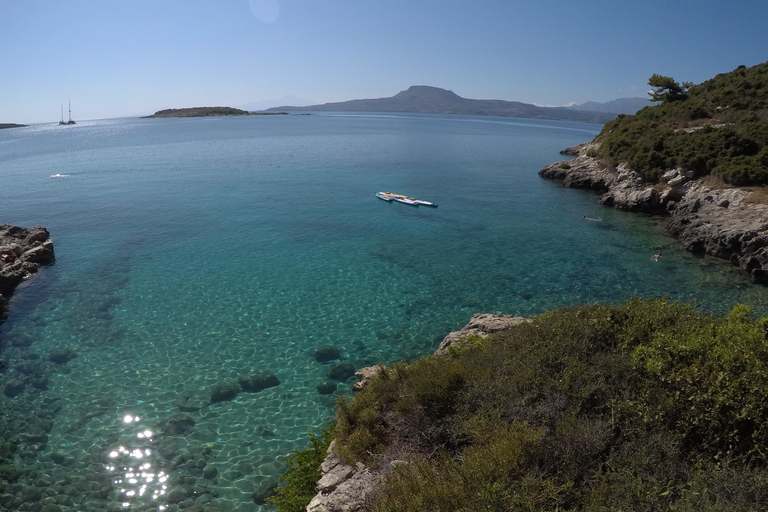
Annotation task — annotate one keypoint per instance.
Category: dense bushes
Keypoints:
(646, 405)
(720, 127)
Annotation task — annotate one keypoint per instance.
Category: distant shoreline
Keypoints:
(207, 112)
(11, 125)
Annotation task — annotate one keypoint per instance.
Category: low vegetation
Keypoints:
(718, 127)
(298, 483)
(645, 405)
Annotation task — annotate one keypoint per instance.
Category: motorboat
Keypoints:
(383, 195)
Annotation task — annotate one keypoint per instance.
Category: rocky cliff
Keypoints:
(22, 253)
(715, 221)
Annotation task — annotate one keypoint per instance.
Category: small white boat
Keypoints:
(409, 200)
(383, 195)
(404, 200)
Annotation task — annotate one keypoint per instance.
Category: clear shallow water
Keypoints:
(193, 251)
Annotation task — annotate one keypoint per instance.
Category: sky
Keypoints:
(125, 58)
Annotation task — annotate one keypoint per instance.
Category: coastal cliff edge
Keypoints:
(22, 252)
(719, 222)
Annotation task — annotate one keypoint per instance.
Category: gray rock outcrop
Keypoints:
(718, 222)
(22, 252)
(343, 488)
(481, 324)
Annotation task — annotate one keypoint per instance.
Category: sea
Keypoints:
(191, 253)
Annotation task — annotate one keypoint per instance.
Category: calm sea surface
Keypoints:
(191, 252)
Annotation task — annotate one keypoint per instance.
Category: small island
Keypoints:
(206, 112)
(11, 125)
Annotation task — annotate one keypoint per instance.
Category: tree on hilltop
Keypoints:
(666, 89)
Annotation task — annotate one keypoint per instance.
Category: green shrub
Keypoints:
(644, 405)
(300, 480)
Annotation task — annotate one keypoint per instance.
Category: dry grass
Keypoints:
(757, 195)
(715, 182)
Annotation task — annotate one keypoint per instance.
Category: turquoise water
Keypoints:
(190, 252)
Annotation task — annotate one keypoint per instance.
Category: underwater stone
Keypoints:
(256, 382)
(178, 425)
(224, 391)
(61, 355)
(177, 495)
(8, 472)
(326, 387)
(327, 353)
(341, 371)
(13, 388)
(40, 383)
(210, 472)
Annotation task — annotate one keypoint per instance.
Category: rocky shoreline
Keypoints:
(719, 222)
(345, 488)
(22, 253)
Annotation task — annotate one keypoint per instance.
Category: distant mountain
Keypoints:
(619, 106)
(285, 100)
(433, 100)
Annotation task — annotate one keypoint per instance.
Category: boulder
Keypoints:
(341, 371)
(327, 353)
(256, 382)
(224, 391)
(61, 355)
(178, 425)
(326, 387)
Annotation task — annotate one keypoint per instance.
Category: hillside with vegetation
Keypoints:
(200, 112)
(718, 127)
(641, 406)
(434, 100)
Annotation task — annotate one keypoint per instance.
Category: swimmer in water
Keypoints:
(656, 256)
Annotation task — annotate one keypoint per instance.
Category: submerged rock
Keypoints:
(341, 371)
(326, 387)
(178, 425)
(224, 391)
(327, 353)
(256, 382)
(61, 355)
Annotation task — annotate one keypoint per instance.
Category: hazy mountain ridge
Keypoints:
(617, 106)
(434, 100)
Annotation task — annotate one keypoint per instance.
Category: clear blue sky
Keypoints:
(117, 58)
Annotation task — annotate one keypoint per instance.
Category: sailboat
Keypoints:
(70, 115)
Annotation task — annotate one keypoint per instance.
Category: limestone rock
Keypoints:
(22, 253)
(365, 374)
(481, 324)
(343, 488)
